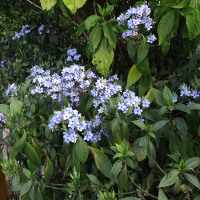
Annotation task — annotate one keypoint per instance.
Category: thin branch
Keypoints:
(94, 7)
(34, 4)
(151, 195)
(160, 168)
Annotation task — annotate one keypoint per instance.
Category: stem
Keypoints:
(34, 4)
(55, 188)
(160, 168)
(151, 195)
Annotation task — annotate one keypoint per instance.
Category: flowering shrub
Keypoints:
(85, 131)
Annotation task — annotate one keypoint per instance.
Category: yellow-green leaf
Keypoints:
(102, 162)
(48, 4)
(73, 5)
(48, 172)
(133, 76)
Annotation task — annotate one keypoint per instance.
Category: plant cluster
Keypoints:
(120, 121)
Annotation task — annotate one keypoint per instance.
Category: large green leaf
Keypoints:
(165, 26)
(19, 145)
(103, 58)
(192, 179)
(102, 162)
(73, 5)
(26, 187)
(109, 33)
(133, 76)
(167, 95)
(15, 105)
(91, 21)
(162, 195)
(32, 155)
(81, 149)
(48, 4)
(169, 179)
(95, 37)
(158, 125)
(143, 50)
(193, 20)
(48, 172)
(192, 163)
(116, 168)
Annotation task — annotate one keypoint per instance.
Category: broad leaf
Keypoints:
(162, 195)
(48, 171)
(102, 162)
(165, 26)
(19, 145)
(192, 179)
(158, 125)
(103, 58)
(48, 4)
(82, 150)
(192, 163)
(169, 179)
(91, 21)
(95, 37)
(133, 76)
(73, 5)
(116, 169)
(109, 34)
(142, 51)
(193, 20)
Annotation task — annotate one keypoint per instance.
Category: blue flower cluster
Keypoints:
(72, 82)
(185, 91)
(104, 89)
(2, 118)
(73, 123)
(4, 63)
(72, 55)
(24, 31)
(11, 90)
(137, 19)
(41, 29)
(130, 103)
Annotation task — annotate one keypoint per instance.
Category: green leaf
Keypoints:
(181, 125)
(48, 171)
(4, 108)
(108, 10)
(115, 125)
(19, 145)
(143, 67)
(193, 20)
(158, 97)
(162, 195)
(74, 5)
(140, 124)
(95, 37)
(131, 49)
(103, 58)
(192, 163)
(192, 179)
(27, 173)
(109, 34)
(182, 4)
(26, 187)
(116, 169)
(16, 185)
(32, 193)
(165, 26)
(93, 179)
(169, 179)
(91, 21)
(48, 4)
(167, 95)
(15, 106)
(133, 76)
(158, 125)
(123, 178)
(151, 152)
(82, 150)
(32, 155)
(102, 162)
(143, 50)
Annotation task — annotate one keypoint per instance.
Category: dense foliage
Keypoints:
(117, 117)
